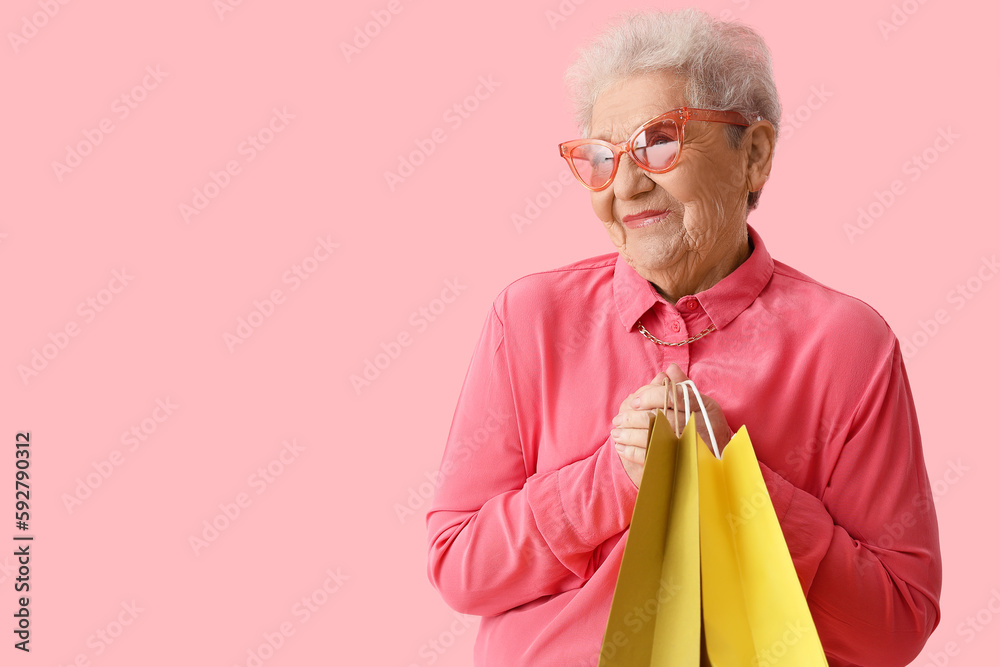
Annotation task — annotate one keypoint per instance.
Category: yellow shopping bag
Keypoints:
(706, 577)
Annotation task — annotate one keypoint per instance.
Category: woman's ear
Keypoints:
(758, 142)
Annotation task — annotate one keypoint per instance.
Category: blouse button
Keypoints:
(676, 326)
(692, 305)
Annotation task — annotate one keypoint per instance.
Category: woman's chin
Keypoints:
(649, 247)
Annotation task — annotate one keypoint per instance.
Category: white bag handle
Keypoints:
(687, 410)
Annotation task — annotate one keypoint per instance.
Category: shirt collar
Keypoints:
(634, 295)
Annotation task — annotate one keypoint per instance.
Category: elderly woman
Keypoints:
(545, 455)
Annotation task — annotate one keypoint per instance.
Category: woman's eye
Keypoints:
(660, 138)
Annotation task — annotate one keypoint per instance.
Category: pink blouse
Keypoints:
(533, 505)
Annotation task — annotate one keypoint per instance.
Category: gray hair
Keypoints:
(727, 66)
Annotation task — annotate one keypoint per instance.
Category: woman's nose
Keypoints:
(630, 179)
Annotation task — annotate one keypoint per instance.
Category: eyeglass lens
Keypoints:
(655, 148)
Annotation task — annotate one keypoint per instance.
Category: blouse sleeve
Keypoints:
(867, 551)
(501, 535)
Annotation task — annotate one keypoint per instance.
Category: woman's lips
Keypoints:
(644, 219)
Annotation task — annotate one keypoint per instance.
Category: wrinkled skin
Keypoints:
(702, 239)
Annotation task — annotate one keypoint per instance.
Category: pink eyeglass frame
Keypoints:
(683, 114)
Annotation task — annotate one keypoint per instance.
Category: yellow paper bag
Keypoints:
(754, 607)
(706, 577)
(656, 609)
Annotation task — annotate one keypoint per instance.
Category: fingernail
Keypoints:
(620, 448)
(616, 432)
(636, 402)
(617, 420)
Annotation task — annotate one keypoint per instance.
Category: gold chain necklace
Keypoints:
(644, 332)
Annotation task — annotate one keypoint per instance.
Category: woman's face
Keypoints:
(678, 221)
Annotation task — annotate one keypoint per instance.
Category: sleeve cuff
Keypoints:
(780, 490)
(584, 503)
(805, 523)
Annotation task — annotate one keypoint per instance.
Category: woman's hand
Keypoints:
(635, 417)
(631, 428)
(723, 434)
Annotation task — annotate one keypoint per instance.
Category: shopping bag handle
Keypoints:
(672, 387)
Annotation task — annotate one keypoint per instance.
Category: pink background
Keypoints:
(333, 506)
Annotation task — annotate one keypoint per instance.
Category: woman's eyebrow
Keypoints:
(622, 131)
(608, 135)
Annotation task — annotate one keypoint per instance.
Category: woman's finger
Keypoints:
(692, 402)
(627, 403)
(650, 398)
(654, 397)
(634, 437)
(635, 454)
(634, 418)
